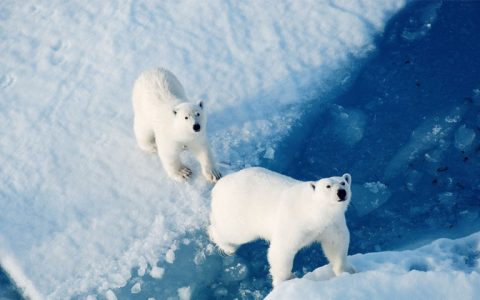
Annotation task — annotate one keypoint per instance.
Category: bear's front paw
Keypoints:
(182, 174)
(212, 175)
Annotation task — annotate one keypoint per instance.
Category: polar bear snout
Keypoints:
(196, 127)
(342, 195)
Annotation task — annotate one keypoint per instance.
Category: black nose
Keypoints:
(342, 194)
(196, 127)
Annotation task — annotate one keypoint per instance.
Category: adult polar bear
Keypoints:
(166, 123)
(257, 203)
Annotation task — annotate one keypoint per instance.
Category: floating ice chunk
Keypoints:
(170, 256)
(184, 293)
(235, 272)
(447, 199)
(210, 249)
(269, 153)
(429, 135)
(348, 124)
(157, 272)
(464, 137)
(136, 288)
(369, 196)
(221, 292)
(142, 268)
(91, 297)
(412, 179)
(110, 295)
(476, 96)
(420, 26)
(199, 258)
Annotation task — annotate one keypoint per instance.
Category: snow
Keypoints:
(444, 269)
(81, 204)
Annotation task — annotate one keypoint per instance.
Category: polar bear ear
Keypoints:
(312, 185)
(200, 103)
(347, 177)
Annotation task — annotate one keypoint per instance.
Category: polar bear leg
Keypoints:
(280, 258)
(204, 156)
(170, 157)
(335, 247)
(145, 137)
(226, 248)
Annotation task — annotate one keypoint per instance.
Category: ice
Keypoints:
(369, 196)
(444, 269)
(110, 295)
(464, 137)
(236, 272)
(157, 272)
(184, 293)
(136, 288)
(420, 26)
(170, 256)
(430, 134)
(348, 124)
(476, 96)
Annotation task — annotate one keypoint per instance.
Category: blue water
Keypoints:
(7, 289)
(403, 127)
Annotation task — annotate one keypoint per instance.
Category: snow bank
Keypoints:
(81, 205)
(444, 269)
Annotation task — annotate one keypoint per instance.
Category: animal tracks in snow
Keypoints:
(7, 80)
(58, 48)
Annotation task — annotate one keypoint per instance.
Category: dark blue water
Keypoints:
(7, 289)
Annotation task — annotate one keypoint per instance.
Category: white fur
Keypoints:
(257, 203)
(164, 123)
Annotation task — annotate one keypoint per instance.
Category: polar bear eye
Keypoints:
(343, 183)
(186, 118)
(329, 186)
(198, 114)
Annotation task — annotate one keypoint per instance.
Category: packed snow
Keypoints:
(81, 205)
(444, 269)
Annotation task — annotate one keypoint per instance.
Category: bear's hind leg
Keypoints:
(145, 137)
(226, 248)
(280, 258)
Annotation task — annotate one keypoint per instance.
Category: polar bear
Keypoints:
(257, 203)
(166, 123)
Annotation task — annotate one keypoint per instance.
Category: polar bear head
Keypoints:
(189, 120)
(334, 190)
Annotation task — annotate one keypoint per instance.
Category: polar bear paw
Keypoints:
(182, 174)
(212, 175)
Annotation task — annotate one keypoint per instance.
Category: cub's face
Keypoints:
(334, 190)
(189, 120)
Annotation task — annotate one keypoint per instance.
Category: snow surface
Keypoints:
(81, 205)
(444, 269)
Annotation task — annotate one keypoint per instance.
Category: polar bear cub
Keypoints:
(166, 123)
(257, 203)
